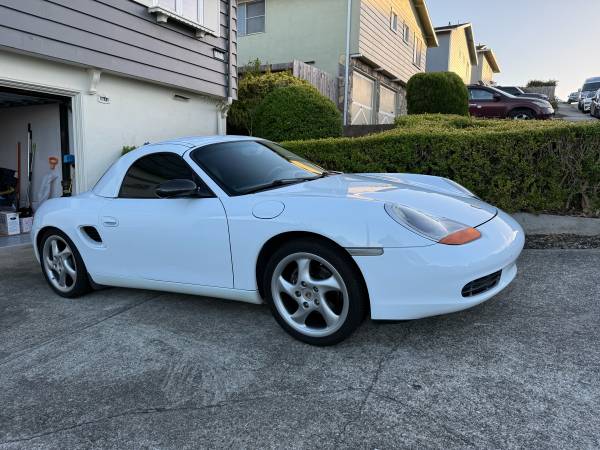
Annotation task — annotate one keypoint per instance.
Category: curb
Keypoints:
(547, 224)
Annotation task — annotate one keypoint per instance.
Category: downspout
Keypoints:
(223, 108)
(347, 63)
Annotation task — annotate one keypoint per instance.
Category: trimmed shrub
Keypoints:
(437, 93)
(297, 112)
(253, 87)
(535, 166)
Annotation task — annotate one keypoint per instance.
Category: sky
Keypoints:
(532, 39)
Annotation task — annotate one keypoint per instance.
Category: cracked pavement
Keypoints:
(138, 369)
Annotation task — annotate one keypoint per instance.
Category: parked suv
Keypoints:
(486, 101)
(595, 107)
(573, 97)
(588, 90)
(518, 92)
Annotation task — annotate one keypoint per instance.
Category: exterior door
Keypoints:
(179, 240)
(483, 104)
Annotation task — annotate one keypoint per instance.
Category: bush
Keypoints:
(541, 83)
(437, 92)
(297, 112)
(253, 87)
(535, 166)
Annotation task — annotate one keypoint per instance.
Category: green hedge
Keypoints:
(253, 87)
(297, 112)
(535, 166)
(437, 93)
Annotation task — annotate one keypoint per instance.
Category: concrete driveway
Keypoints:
(571, 113)
(137, 369)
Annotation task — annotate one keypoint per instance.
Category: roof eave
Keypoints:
(471, 45)
(428, 29)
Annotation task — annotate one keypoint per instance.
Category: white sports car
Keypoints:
(243, 219)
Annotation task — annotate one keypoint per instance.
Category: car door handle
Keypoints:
(109, 221)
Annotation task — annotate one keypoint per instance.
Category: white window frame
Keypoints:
(417, 51)
(163, 14)
(394, 20)
(243, 3)
(405, 32)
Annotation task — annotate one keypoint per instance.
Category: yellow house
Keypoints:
(456, 53)
(486, 67)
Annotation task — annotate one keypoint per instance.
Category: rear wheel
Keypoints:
(314, 292)
(522, 114)
(62, 265)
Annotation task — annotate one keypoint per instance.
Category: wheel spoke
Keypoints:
(66, 252)
(326, 285)
(303, 269)
(48, 261)
(69, 268)
(54, 251)
(300, 315)
(330, 317)
(62, 279)
(285, 286)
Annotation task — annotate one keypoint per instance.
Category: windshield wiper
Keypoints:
(280, 182)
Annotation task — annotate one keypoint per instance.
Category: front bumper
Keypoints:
(412, 283)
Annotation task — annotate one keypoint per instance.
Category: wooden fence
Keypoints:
(323, 81)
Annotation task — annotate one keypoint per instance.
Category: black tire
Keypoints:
(80, 283)
(349, 317)
(522, 114)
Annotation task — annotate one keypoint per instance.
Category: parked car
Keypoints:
(518, 92)
(486, 101)
(595, 106)
(243, 219)
(588, 90)
(573, 97)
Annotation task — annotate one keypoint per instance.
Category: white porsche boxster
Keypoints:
(244, 219)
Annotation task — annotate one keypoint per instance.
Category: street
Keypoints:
(136, 369)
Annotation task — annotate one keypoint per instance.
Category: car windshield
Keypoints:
(591, 86)
(243, 167)
(498, 91)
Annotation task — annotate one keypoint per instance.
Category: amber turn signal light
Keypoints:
(461, 237)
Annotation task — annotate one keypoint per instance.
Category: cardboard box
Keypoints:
(26, 223)
(9, 223)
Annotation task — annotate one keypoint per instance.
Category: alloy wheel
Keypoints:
(310, 294)
(59, 263)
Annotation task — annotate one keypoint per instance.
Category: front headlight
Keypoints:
(438, 229)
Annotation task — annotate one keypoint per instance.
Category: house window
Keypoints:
(405, 32)
(388, 99)
(188, 9)
(251, 17)
(417, 51)
(363, 97)
(394, 21)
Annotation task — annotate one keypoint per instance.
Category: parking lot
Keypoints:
(137, 369)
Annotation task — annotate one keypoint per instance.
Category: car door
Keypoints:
(178, 240)
(483, 103)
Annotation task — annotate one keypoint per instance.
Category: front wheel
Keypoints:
(314, 292)
(62, 265)
(522, 114)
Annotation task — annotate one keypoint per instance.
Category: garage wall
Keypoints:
(45, 125)
(136, 112)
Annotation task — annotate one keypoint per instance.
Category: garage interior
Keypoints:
(35, 157)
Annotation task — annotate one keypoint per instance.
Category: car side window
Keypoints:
(480, 94)
(145, 174)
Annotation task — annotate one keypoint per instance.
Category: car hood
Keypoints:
(435, 196)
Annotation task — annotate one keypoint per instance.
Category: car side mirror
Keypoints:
(497, 97)
(178, 188)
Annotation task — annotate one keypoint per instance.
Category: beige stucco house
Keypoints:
(387, 44)
(456, 53)
(487, 66)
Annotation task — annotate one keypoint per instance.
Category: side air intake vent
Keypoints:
(481, 285)
(92, 233)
